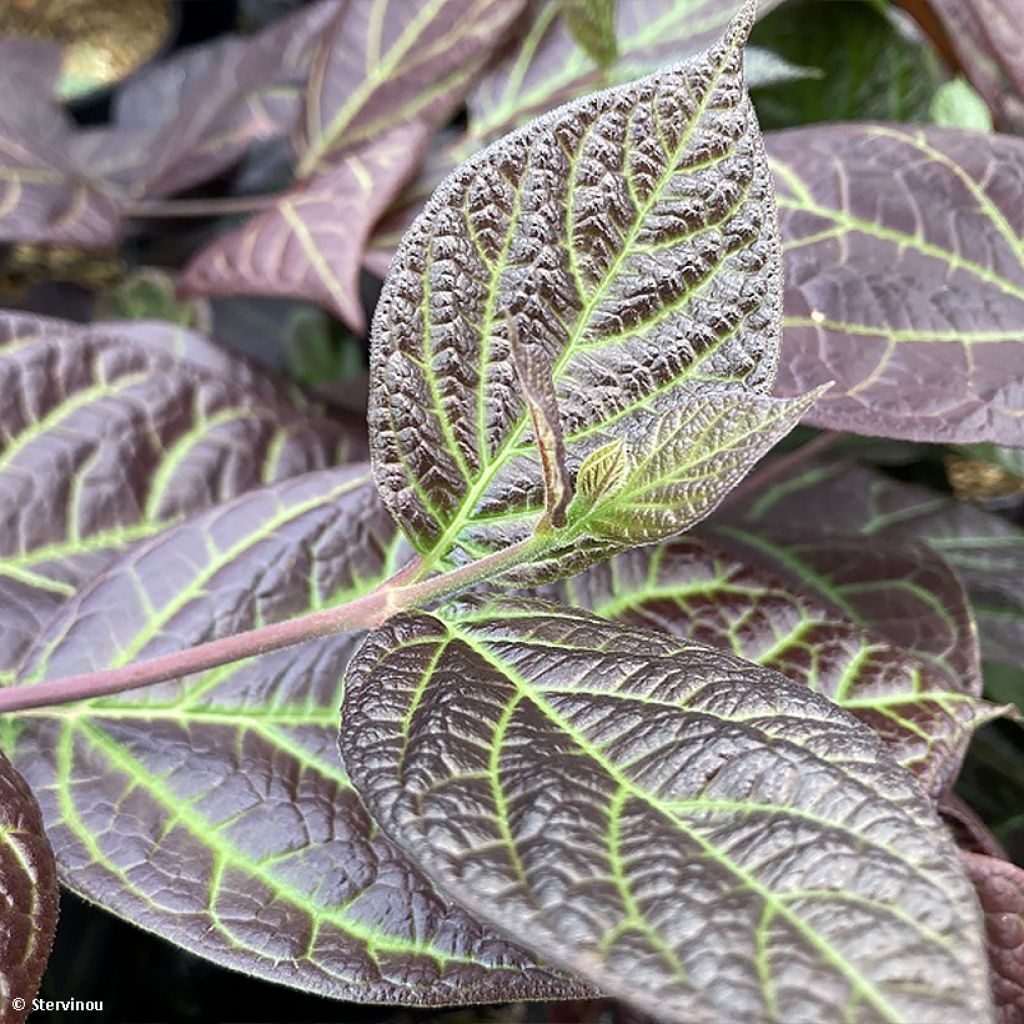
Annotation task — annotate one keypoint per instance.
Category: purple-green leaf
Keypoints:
(117, 431)
(843, 500)
(309, 244)
(709, 589)
(632, 236)
(212, 810)
(692, 833)
(28, 896)
(904, 253)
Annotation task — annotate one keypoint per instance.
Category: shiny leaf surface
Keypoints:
(28, 896)
(118, 431)
(1000, 886)
(700, 588)
(695, 834)
(309, 244)
(631, 236)
(904, 279)
(212, 810)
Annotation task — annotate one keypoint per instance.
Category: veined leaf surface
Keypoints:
(631, 237)
(387, 64)
(310, 243)
(550, 67)
(113, 437)
(212, 810)
(904, 252)
(986, 550)
(28, 896)
(1000, 886)
(699, 588)
(695, 834)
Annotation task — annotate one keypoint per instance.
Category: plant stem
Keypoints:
(215, 207)
(366, 612)
(781, 466)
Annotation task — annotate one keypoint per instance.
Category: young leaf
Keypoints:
(44, 195)
(694, 834)
(28, 896)
(310, 243)
(986, 550)
(602, 472)
(114, 437)
(700, 588)
(1000, 886)
(631, 234)
(957, 105)
(592, 24)
(212, 810)
(387, 64)
(904, 279)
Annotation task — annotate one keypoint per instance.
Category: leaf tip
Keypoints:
(742, 23)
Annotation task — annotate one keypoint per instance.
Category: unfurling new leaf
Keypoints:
(687, 831)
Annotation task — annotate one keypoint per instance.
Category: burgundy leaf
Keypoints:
(1000, 886)
(28, 896)
(212, 809)
(309, 245)
(905, 279)
(114, 435)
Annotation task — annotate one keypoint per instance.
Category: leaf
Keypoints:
(989, 42)
(113, 437)
(986, 551)
(212, 810)
(592, 24)
(631, 235)
(884, 70)
(390, 64)
(550, 67)
(44, 195)
(703, 588)
(309, 244)
(905, 280)
(603, 472)
(28, 896)
(694, 834)
(957, 105)
(1000, 886)
(192, 115)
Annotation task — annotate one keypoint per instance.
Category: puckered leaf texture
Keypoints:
(1000, 886)
(904, 252)
(693, 833)
(212, 810)
(28, 896)
(112, 433)
(708, 589)
(631, 236)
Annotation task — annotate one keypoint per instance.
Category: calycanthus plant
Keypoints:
(703, 776)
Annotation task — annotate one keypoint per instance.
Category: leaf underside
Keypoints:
(904, 252)
(704, 588)
(692, 833)
(632, 237)
(28, 895)
(116, 435)
(213, 810)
